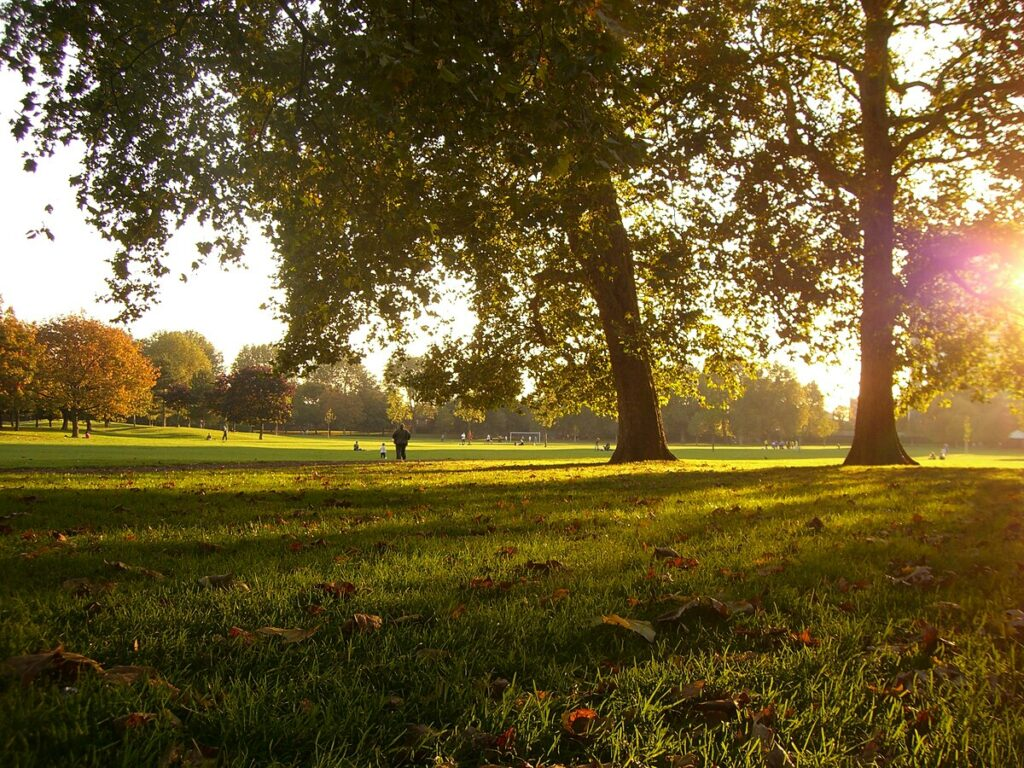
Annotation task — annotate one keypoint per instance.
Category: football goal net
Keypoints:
(526, 438)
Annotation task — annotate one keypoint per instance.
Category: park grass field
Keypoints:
(123, 445)
(512, 613)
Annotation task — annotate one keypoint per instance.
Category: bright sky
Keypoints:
(43, 279)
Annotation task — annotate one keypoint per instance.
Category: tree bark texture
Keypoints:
(603, 248)
(875, 441)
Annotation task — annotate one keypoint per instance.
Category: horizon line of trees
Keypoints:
(75, 368)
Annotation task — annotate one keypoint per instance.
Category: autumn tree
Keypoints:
(19, 358)
(541, 153)
(92, 370)
(255, 395)
(877, 125)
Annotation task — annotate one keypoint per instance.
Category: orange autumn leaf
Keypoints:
(579, 722)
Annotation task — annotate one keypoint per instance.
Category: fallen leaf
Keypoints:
(128, 675)
(340, 589)
(642, 628)
(689, 692)
(224, 581)
(134, 720)
(409, 618)
(814, 524)
(705, 607)
(507, 739)
(242, 634)
(56, 663)
(118, 565)
(481, 582)
(363, 622)
(914, 576)
(664, 552)
(206, 546)
(580, 722)
(804, 638)
(457, 611)
(288, 635)
(557, 596)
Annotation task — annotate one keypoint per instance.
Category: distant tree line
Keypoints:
(77, 369)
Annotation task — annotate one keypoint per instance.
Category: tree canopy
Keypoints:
(91, 369)
(626, 191)
(255, 394)
(882, 128)
(19, 357)
(539, 152)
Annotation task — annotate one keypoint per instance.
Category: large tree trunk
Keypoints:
(261, 430)
(65, 415)
(74, 422)
(604, 251)
(874, 437)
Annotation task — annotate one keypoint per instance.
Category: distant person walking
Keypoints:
(224, 433)
(383, 450)
(401, 437)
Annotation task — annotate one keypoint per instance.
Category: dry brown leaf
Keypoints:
(56, 663)
(363, 622)
(642, 628)
(119, 566)
(224, 581)
(665, 552)
(340, 589)
(288, 635)
(128, 674)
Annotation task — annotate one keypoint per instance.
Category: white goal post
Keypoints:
(527, 437)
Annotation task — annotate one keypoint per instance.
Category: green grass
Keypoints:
(498, 649)
(123, 445)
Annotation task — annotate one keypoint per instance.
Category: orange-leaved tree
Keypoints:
(92, 369)
(19, 355)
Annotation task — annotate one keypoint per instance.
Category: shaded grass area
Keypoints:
(488, 579)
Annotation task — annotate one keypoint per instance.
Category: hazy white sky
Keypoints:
(40, 279)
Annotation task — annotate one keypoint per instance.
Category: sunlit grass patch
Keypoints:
(453, 612)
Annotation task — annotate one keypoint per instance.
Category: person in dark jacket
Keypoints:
(401, 438)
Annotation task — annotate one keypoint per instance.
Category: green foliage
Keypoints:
(878, 172)
(256, 355)
(538, 153)
(255, 395)
(180, 356)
